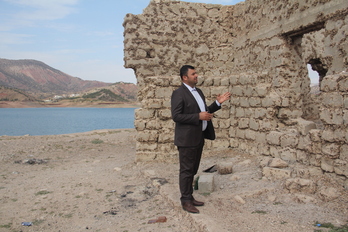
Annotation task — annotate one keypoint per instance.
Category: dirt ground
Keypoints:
(90, 182)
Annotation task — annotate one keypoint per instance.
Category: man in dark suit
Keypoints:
(193, 124)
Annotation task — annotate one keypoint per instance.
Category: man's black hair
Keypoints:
(184, 70)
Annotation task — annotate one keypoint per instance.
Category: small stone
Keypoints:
(224, 168)
(235, 178)
(305, 199)
(329, 193)
(245, 162)
(278, 163)
(264, 161)
(149, 173)
(239, 199)
(272, 198)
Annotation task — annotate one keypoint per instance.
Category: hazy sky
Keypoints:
(83, 38)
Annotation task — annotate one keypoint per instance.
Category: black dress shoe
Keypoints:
(189, 207)
(197, 203)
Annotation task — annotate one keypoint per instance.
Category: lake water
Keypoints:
(53, 121)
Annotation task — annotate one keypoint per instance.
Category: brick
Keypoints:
(274, 137)
(329, 83)
(254, 124)
(343, 83)
(305, 126)
(237, 91)
(288, 154)
(243, 123)
(254, 102)
(327, 164)
(262, 90)
(206, 183)
(332, 150)
(341, 167)
(289, 140)
(332, 100)
(250, 134)
(142, 113)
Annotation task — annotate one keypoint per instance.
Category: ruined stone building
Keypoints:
(259, 51)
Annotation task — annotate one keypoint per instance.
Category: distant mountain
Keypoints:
(37, 78)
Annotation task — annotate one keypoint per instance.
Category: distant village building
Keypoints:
(56, 97)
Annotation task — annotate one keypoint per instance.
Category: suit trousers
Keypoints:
(189, 158)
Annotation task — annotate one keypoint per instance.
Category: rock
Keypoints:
(234, 178)
(264, 161)
(300, 185)
(278, 163)
(245, 162)
(157, 182)
(224, 168)
(276, 172)
(288, 154)
(82, 194)
(239, 199)
(305, 199)
(308, 172)
(272, 198)
(328, 193)
(34, 161)
(149, 173)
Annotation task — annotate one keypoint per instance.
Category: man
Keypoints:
(193, 124)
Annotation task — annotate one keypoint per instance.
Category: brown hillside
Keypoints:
(7, 94)
(125, 90)
(38, 78)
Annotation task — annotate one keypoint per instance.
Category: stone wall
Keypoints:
(259, 51)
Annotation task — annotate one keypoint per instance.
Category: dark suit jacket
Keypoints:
(185, 113)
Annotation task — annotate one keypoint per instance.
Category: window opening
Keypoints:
(318, 67)
(313, 75)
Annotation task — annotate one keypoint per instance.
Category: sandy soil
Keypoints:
(90, 182)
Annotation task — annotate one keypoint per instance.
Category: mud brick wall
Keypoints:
(334, 116)
(259, 51)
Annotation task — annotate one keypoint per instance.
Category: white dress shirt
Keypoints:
(200, 103)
